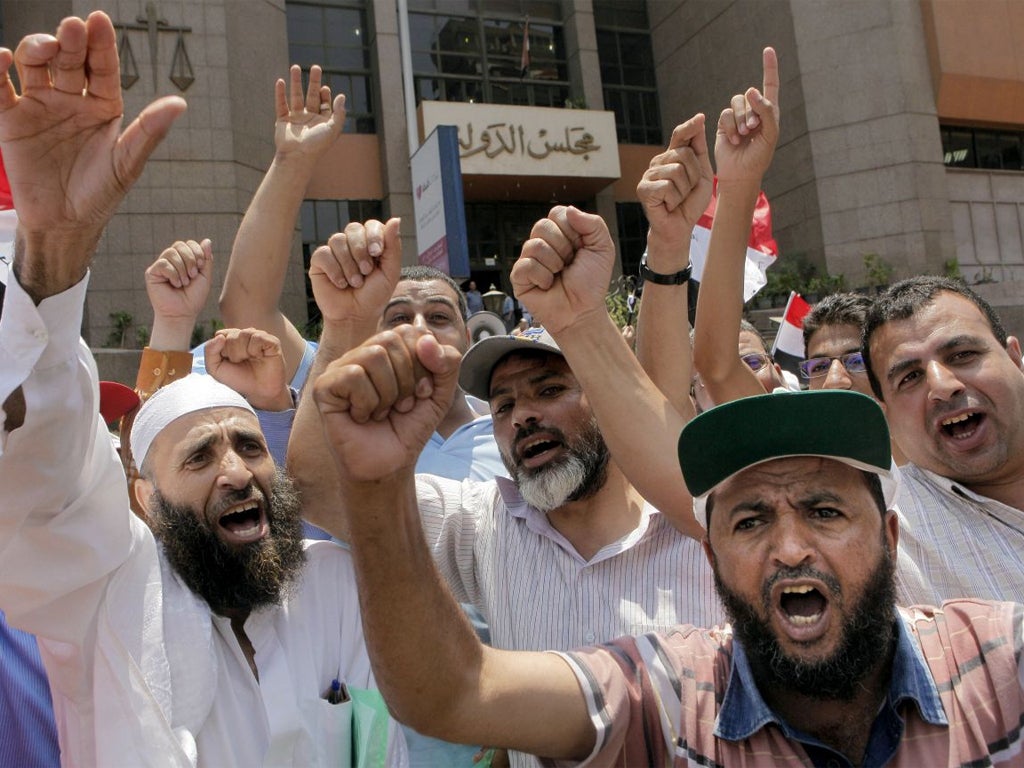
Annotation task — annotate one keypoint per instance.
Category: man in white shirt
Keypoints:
(151, 661)
(951, 383)
(570, 551)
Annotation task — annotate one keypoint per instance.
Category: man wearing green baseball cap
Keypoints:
(818, 665)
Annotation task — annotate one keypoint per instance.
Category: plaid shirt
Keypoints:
(669, 699)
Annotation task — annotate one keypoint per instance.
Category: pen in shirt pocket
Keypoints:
(337, 693)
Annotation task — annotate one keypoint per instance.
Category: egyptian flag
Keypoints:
(8, 223)
(788, 348)
(524, 57)
(761, 247)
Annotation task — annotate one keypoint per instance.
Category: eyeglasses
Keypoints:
(755, 361)
(814, 367)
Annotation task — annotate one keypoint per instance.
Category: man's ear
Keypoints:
(892, 531)
(144, 491)
(709, 553)
(1013, 350)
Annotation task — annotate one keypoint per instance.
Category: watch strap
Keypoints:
(658, 278)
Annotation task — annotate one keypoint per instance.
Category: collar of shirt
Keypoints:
(538, 522)
(948, 485)
(743, 711)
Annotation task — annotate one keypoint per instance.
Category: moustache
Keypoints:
(236, 496)
(799, 572)
(525, 433)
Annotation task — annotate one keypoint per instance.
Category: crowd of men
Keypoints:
(389, 547)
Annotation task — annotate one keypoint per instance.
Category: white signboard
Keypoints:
(497, 139)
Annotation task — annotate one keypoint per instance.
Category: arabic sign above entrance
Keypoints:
(497, 139)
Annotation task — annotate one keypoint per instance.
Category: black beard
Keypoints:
(589, 448)
(866, 642)
(234, 579)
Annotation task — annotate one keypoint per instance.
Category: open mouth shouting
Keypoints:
(243, 522)
(802, 609)
(962, 426)
(538, 448)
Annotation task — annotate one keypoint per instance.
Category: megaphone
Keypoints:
(484, 324)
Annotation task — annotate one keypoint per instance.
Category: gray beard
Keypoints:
(552, 487)
(579, 475)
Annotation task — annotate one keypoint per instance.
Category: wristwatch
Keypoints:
(677, 278)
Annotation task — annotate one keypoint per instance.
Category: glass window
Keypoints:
(335, 35)
(964, 147)
(627, 70)
(477, 55)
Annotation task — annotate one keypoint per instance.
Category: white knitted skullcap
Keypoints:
(195, 392)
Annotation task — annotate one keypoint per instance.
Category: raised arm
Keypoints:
(67, 160)
(307, 127)
(380, 403)
(177, 284)
(69, 165)
(353, 277)
(748, 131)
(675, 191)
(562, 276)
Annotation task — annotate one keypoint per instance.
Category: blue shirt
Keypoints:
(469, 453)
(474, 302)
(743, 710)
(28, 734)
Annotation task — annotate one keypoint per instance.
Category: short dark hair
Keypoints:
(838, 309)
(873, 482)
(749, 327)
(903, 299)
(420, 273)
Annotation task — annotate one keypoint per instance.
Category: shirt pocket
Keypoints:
(334, 733)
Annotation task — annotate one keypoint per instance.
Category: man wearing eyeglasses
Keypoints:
(832, 331)
(754, 356)
(832, 341)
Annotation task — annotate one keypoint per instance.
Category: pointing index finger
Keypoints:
(770, 86)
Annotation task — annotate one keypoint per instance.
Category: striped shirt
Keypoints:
(661, 700)
(28, 735)
(963, 544)
(538, 593)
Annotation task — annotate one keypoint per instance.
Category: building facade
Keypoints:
(901, 141)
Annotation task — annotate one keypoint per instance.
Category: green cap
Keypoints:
(834, 424)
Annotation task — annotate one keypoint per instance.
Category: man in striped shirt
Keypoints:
(952, 384)
(819, 667)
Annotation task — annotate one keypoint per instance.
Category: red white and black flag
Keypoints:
(788, 348)
(8, 223)
(762, 249)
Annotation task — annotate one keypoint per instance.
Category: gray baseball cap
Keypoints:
(479, 361)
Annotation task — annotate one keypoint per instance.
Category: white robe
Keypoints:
(140, 670)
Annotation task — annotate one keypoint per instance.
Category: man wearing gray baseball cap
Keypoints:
(819, 665)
